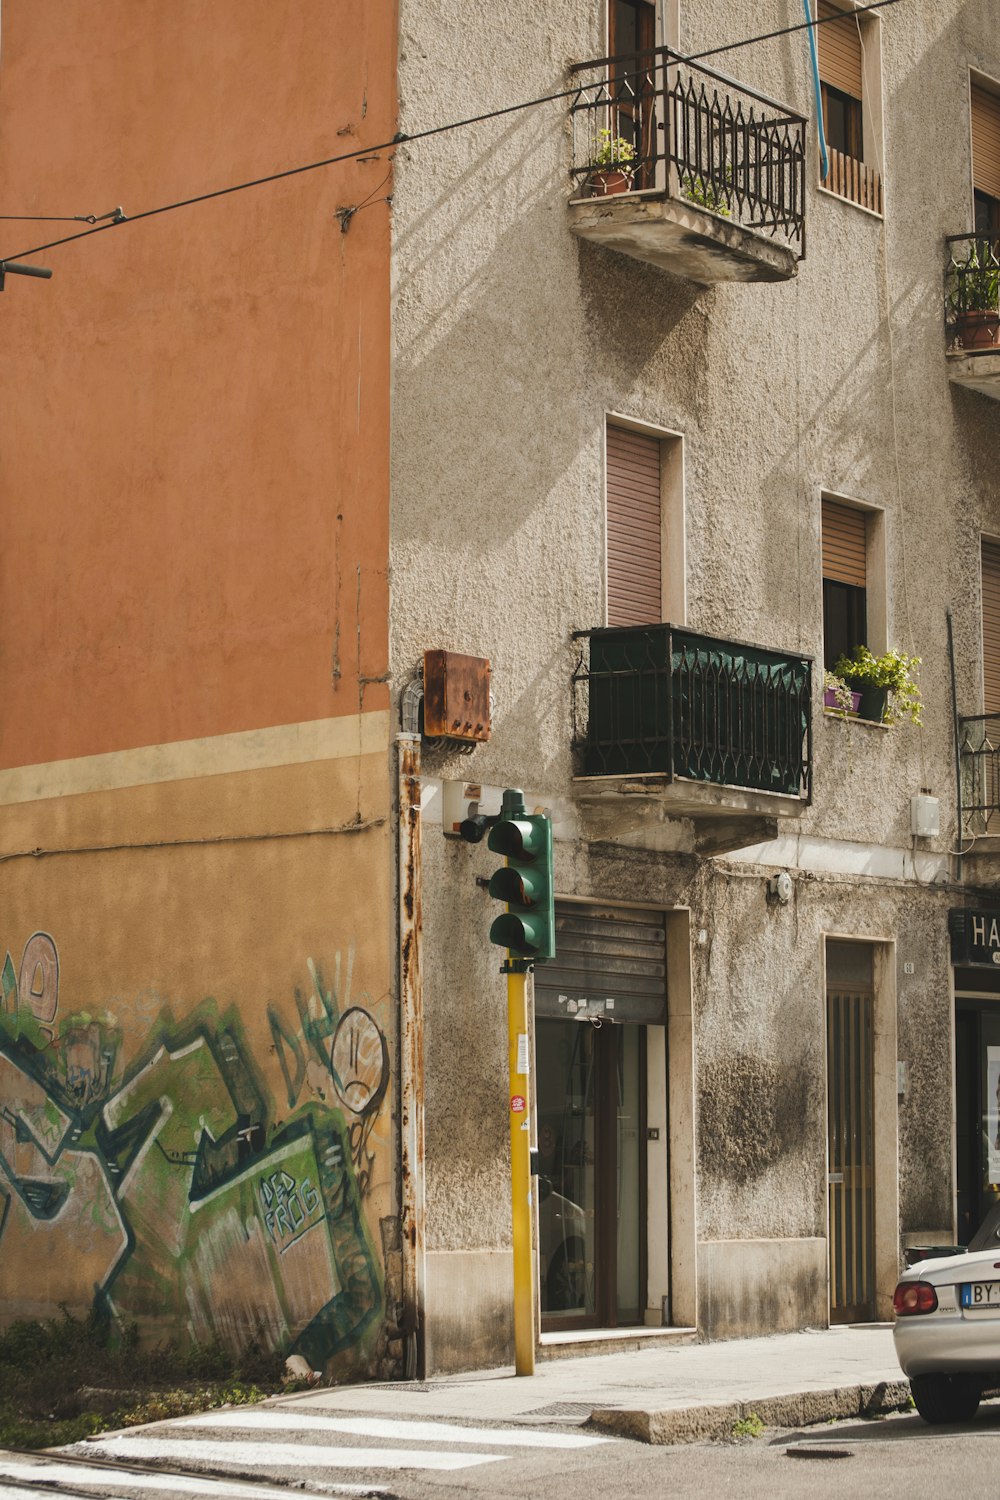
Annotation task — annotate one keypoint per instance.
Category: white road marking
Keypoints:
(287, 1455)
(104, 1479)
(390, 1430)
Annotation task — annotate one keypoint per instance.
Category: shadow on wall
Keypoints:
(171, 1191)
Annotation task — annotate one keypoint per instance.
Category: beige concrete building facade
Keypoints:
(744, 1124)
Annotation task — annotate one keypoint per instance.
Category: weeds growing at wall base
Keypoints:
(67, 1378)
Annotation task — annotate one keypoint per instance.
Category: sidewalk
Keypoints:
(663, 1395)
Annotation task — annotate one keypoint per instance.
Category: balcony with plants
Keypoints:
(710, 729)
(684, 168)
(972, 313)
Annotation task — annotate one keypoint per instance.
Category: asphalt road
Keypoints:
(265, 1460)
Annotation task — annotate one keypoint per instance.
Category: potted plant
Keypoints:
(888, 691)
(707, 194)
(838, 698)
(612, 166)
(974, 302)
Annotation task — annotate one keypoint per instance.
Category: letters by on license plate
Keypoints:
(981, 1294)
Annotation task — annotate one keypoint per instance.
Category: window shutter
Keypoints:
(634, 531)
(839, 51)
(991, 627)
(986, 142)
(844, 544)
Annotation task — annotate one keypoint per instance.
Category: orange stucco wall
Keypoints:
(194, 446)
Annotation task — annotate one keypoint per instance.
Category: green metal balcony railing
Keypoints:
(655, 700)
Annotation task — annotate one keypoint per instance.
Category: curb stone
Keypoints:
(694, 1424)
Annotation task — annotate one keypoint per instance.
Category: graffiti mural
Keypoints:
(175, 1190)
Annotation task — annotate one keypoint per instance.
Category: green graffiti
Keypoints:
(174, 1184)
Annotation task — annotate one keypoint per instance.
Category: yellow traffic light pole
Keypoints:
(520, 1165)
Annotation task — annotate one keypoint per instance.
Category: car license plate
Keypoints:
(982, 1294)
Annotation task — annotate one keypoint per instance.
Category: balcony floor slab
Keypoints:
(976, 372)
(678, 237)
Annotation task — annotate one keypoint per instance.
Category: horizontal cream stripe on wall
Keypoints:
(183, 760)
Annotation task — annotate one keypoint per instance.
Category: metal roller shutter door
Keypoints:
(986, 141)
(844, 544)
(839, 51)
(610, 964)
(634, 532)
(991, 627)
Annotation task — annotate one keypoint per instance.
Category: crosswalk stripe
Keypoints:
(390, 1430)
(102, 1479)
(287, 1455)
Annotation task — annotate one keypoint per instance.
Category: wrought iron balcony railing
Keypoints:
(655, 700)
(972, 293)
(681, 130)
(979, 756)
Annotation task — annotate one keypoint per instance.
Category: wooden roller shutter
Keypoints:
(839, 51)
(985, 142)
(844, 544)
(634, 530)
(991, 627)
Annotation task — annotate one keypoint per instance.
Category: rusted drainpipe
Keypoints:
(411, 1030)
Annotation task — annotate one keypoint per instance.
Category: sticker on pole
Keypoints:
(523, 1053)
(517, 1104)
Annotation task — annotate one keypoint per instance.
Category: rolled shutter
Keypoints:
(844, 544)
(986, 141)
(634, 529)
(610, 964)
(991, 627)
(839, 51)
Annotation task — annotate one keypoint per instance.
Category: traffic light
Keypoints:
(528, 927)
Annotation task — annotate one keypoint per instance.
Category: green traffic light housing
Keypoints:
(528, 927)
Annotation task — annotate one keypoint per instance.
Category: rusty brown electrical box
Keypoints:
(456, 696)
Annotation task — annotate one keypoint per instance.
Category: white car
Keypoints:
(947, 1330)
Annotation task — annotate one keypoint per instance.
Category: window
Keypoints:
(845, 581)
(632, 31)
(848, 57)
(645, 526)
(986, 159)
(991, 626)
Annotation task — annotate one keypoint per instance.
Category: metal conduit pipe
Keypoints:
(411, 1031)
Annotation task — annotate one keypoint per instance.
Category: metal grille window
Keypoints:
(850, 1121)
(634, 528)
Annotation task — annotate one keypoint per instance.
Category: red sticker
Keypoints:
(517, 1104)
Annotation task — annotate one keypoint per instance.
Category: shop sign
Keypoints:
(975, 937)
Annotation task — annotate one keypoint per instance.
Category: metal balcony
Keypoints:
(713, 729)
(972, 313)
(685, 168)
(979, 759)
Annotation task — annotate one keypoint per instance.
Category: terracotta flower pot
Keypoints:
(608, 181)
(978, 330)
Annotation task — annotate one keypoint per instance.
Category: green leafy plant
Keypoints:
(613, 154)
(844, 697)
(893, 670)
(749, 1426)
(976, 283)
(707, 194)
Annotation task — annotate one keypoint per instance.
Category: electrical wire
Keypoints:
(402, 137)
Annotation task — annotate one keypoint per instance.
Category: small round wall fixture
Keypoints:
(779, 888)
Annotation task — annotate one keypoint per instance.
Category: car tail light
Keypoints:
(914, 1297)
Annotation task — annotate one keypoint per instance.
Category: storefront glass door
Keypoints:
(591, 1211)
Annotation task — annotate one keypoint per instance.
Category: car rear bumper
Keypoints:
(947, 1343)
